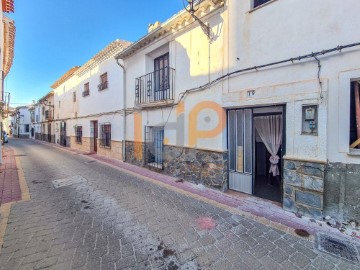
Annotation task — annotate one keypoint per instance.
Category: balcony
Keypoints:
(86, 93)
(155, 88)
(103, 86)
(48, 116)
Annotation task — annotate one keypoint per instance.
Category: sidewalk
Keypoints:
(10, 190)
(263, 211)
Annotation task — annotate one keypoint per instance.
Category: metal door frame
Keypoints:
(283, 144)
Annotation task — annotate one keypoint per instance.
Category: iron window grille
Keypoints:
(154, 147)
(74, 96)
(78, 130)
(103, 82)
(105, 132)
(86, 91)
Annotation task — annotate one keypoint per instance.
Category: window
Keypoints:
(59, 103)
(161, 77)
(78, 131)
(103, 82)
(74, 96)
(105, 139)
(260, 2)
(154, 146)
(47, 114)
(86, 90)
(355, 115)
(27, 128)
(43, 110)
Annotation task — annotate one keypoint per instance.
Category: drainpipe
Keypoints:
(124, 107)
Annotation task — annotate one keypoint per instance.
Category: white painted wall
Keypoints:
(245, 38)
(24, 120)
(103, 106)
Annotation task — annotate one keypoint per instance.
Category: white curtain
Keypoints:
(269, 129)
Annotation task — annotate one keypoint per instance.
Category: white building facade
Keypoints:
(21, 122)
(89, 105)
(251, 103)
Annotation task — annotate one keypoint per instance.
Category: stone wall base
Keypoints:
(195, 165)
(304, 188)
(115, 151)
(342, 196)
(83, 146)
(134, 153)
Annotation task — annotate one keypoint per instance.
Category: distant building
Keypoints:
(89, 102)
(21, 121)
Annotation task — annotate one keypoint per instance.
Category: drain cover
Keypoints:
(337, 247)
(302, 233)
(68, 181)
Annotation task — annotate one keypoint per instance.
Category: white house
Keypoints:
(89, 103)
(253, 96)
(44, 116)
(21, 122)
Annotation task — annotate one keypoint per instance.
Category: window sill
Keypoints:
(261, 6)
(354, 152)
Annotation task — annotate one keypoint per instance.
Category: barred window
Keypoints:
(103, 82)
(74, 96)
(79, 134)
(105, 140)
(86, 91)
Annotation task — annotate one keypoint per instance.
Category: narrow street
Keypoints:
(109, 219)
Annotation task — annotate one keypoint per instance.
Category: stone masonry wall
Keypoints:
(83, 146)
(342, 196)
(304, 187)
(199, 166)
(115, 151)
(134, 153)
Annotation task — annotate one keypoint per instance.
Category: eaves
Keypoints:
(174, 24)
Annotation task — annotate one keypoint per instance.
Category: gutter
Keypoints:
(124, 108)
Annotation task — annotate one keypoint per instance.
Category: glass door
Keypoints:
(240, 142)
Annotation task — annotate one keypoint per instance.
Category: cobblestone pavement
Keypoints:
(115, 220)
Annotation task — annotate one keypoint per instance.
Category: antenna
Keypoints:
(192, 7)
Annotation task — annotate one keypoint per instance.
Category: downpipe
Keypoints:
(124, 108)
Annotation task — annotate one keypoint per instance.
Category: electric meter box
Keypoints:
(310, 119)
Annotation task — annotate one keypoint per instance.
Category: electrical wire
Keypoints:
(313, 55)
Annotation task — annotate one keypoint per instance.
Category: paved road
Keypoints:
(114, 220)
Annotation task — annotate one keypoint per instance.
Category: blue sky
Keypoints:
(54, 35)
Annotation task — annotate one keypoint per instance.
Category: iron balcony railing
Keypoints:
(86, 92)
(103, 85)
(155, 86)
(48, 116)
